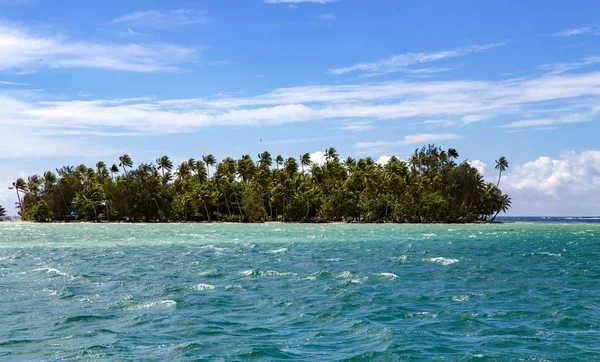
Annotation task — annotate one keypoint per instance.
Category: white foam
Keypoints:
(345, 274)
(391, 276)
(54, 271)
(160, 304)
(428, 235)
(277, 251)
(275, 272)
(461, 298)
(248, 272)
(550, 254)
(442, 260)
(203, 287)
(401, 258)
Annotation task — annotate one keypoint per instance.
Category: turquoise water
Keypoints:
(299, 292)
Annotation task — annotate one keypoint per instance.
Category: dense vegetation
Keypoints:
(430, 187)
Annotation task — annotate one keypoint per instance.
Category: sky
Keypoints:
(84, 81)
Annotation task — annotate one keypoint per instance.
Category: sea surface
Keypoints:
(526, 291)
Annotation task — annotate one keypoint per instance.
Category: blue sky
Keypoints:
(82, 81)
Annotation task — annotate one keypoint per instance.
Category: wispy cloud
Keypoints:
(357, 126)
(575, 31)
(351, 106)
(298, 1)
(560, 120)
(558, 68)
(157, 18)
(23, 50)
(11, 83)
(400, 62)
(415, 139)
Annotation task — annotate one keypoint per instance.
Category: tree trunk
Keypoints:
(207, 213)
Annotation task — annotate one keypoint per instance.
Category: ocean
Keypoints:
(525, 290)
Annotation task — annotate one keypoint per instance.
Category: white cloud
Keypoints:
(479, 165)
(565, 98)
(22, 50)
(11, 83)
(383, 160)
(575, 118)
(558, 68)
(298, 1)
(399, 62)
(566, 186)
(318, 158)
(157, 18)
(576, 31)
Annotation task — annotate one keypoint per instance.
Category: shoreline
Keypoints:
(249, 223)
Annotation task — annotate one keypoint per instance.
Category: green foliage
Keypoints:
(40, 212)
(429, 187)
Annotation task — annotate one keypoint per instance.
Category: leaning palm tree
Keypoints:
(164, 163)
(278, 161)
(2, 211)
(506, 203)
(209, 160)
(265, 160)
(305, 160)
(19, 185)
(501, 165)
(125, 161)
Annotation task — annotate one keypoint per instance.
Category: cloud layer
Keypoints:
(23, 50)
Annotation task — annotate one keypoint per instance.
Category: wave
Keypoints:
(277, 251)
(390, 276)
(202, 287)
(159, 304)
(54, 271)
(442, 260)
(257, 273)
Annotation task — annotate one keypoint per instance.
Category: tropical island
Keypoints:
(429, 187)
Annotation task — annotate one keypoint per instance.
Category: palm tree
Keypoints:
(305, 160)
(452, 153)
(506, 202)
(125, 161)
(278, 161)
(19, 185)
(501, 165)
(330, 154)
(113, 169)
(164, 163)
(209, 160)
(265, 160)
(2, 211)
(100, 167)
